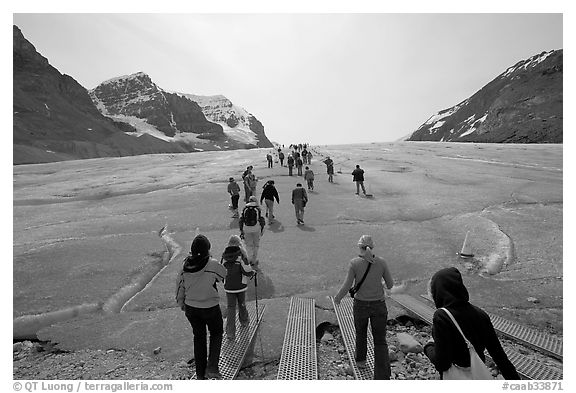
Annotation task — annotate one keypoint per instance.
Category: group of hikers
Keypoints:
(456, 322)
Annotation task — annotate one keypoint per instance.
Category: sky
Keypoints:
(308, 77)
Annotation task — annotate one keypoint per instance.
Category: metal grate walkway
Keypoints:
(233, 352)
(298, 359)
(539, 341)
(348, 331)
(526, 367)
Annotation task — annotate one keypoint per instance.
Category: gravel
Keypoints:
(40, 360)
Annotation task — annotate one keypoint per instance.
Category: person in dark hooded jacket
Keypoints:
(198, 297)
(239, 271)
(448, 346)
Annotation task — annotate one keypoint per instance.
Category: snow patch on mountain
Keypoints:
(531, 62)
(143, 127)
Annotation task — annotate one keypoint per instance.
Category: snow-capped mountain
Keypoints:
(524, 104)
(236, 121)
(177, 117)
(54, 119)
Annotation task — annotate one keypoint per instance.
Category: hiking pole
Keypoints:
(256, 294)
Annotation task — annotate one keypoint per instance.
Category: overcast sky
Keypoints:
(318, 78)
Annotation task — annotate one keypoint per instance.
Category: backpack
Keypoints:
(251, 215)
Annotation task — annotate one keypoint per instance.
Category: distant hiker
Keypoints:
(366, 271)
(290, 164)
(246, 180)
(281, 157)
(252, 228)
(234, 191)
(309, 157)
(268, 194)
(299, 200)
(252, 183)
(299, 164)
(359, 179)
(235, 260)
(448, 346)
(269, 159)
(304, 156)
(329, 169)
(309, 177)
(198, 298)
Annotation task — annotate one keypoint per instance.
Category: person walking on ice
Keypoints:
(366, 271)
(281, 157)
(268, 195)
(197, 296)
(234, 191)
(269, 159)
(235, 260)
(252, 228)
(309, 177)
(299, 200)
(290, 164)
(359, 179)
(299, 164)
(329, 169)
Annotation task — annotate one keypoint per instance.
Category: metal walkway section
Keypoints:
(526, 367)
(348, 331)
(539, 341)
(299, 359)
(233, 353)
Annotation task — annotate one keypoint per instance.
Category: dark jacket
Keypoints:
(270, 193)
(237, 266)
(449, 347)
(290, 161)
(358, 174)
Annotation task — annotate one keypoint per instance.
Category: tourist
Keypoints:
(197, 296)
(235, 260)
(309, 177)
(234, 191)
(269, 193)
(299, 200)
(366, 271)
(329, 169)
(448, 347)
(359, 179)
(290, 164)
(252, 228)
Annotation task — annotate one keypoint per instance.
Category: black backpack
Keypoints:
(251, 215)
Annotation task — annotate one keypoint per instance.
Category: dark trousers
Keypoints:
(270, 164)
(232, 299)
(206, 359)
(377, 313)
(290, 170)
(235, 201)
(281, 162)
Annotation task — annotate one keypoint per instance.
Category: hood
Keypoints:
(255, 204)
(193, 264)
(447, 288)
(231, 253)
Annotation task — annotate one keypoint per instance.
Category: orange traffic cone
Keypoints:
(466, 251)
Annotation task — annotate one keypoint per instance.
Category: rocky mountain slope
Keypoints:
(524, 104)
(55, 118)
(178, 118)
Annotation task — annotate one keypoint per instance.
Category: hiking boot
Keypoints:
(213, 375)
(361, 363)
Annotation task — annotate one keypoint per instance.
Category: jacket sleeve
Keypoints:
(276, 195)
(346, 285)
(387, 275)
(180, 290)
(497, 353)
(440, 353)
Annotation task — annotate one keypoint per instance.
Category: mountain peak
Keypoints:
(521, 105)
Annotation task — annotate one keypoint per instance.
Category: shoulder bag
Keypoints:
(477, 369)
